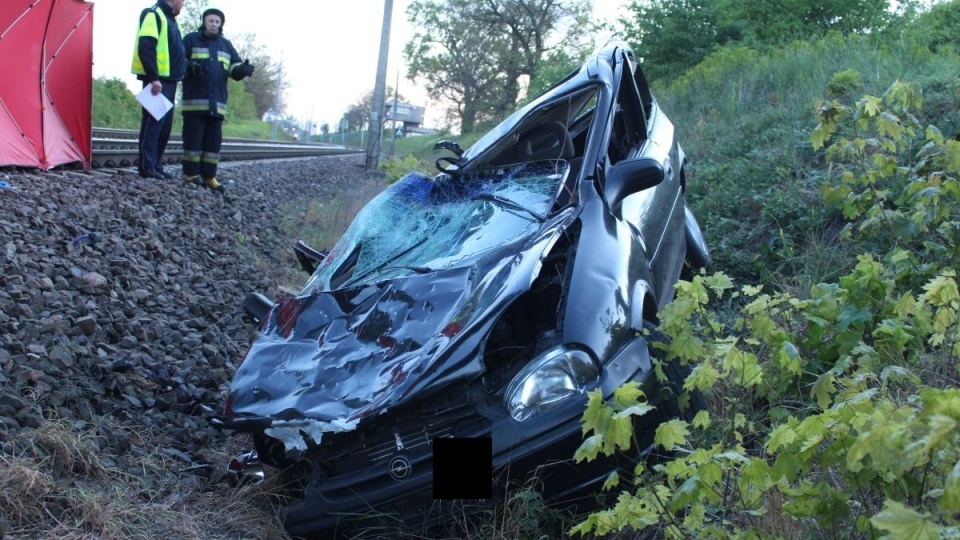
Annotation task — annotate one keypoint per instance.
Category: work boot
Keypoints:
(152, 174)
(213, 184)
(193, 180)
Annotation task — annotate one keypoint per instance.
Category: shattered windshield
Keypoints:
(422, 224)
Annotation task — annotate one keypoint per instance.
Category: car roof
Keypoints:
(566, 101)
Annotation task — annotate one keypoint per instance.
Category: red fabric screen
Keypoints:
(46, 100)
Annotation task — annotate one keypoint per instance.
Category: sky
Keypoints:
(329, 48)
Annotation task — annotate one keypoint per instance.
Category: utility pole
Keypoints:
(393, 126)
(310, 123)
(276, 101)
(379, 92)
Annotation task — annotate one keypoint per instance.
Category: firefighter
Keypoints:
(160, 63)
(211, 58)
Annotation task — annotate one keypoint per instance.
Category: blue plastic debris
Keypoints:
(87, 238)
(5, 184)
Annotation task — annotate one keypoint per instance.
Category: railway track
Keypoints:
(118, 148)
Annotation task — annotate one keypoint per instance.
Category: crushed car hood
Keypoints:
(333, 355)
(402, 302)
(325, 361)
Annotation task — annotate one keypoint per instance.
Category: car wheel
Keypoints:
(675, 401)
(698, 254)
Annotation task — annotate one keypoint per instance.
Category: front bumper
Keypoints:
(362, 487)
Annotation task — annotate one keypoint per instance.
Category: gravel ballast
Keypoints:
(120, 296)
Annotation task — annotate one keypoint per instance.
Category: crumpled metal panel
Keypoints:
(328, 358)
(344, 349)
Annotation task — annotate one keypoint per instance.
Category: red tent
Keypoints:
(46, 91)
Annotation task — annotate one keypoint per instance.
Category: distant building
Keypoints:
(409, 118)
(409, 115)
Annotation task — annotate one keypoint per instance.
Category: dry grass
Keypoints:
(321, 223)
(55, 482)
(941, 369)
(522, 515)
(23, 489)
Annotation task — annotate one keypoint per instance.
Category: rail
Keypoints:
(118, 148)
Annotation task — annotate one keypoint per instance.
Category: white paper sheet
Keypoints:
(156, 105)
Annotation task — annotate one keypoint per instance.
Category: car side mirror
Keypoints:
(308, 257)
(631, 176)
(257, 307)
(449, 145)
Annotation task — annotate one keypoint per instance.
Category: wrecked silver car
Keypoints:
(481, 303)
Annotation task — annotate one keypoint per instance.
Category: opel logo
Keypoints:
(400, 468)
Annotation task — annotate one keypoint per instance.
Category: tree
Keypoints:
(459, 61)
(357, 114)
(937, 27)
(778, 23)
(266, 84)
(536, 28)
(474, 54)
(114, 105)
(190, 17)
(552, 68)
(671, 36)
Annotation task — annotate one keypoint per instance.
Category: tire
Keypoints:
(694, 402)
(698, 254)
(672, 392)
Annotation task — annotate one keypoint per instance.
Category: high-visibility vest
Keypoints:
(149, 28)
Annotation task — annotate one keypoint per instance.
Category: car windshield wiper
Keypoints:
(511, 203)
(386, 264)
(417, 269)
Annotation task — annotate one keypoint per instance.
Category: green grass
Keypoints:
(744, 119)
(252, 129)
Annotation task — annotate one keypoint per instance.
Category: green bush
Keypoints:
(114, 106)
(396, 168)
(240, 105)
(742, 116)
(833, 414)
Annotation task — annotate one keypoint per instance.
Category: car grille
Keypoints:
(411, 440)
(359, 463)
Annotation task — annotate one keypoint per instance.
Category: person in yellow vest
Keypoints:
(160, 62)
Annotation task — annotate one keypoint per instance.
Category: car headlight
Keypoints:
(548, 380)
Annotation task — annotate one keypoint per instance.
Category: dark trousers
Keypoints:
(202, 137)
(154, 133)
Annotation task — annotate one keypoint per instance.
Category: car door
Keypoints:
(655, 214)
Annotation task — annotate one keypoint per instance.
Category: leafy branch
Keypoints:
(835, 413)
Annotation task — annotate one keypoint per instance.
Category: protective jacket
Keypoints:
(158, 52)
(205, 89)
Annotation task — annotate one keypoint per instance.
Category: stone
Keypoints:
(87, 324)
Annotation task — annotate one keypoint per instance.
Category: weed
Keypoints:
(396, 168)
(112, 497)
